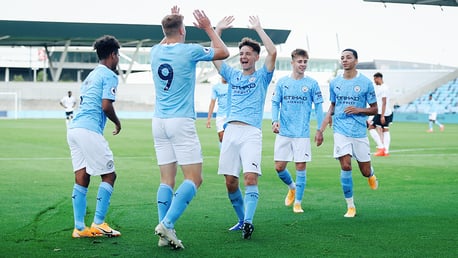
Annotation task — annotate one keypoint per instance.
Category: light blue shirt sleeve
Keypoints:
(276, 99)
(219, 93)
(319, 115)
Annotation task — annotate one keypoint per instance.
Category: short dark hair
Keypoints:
(378, 75)
(299, 52)
(355, 54)
(106, 45)
(251, 43)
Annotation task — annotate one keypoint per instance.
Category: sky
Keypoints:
(426, 34)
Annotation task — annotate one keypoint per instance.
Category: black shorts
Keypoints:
(388, 119)
(69, 114)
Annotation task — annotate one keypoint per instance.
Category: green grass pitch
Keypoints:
(414, 213)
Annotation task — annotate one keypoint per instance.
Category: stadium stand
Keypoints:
(446, 97)
(33, 77)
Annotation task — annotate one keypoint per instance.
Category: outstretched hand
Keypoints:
(175, 10)
(254, 22)
(225, 23)
(202, 21)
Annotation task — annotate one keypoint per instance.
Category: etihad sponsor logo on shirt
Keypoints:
(287, 98)
(243, 89)
(348, 98)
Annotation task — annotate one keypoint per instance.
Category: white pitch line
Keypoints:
(68, 158)
(211, 156)
(424, 149)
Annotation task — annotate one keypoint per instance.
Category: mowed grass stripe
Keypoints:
(413, 213)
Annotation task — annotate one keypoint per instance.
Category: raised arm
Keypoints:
(176, 11)
(225, 23)
(203, 22)
(255, 24)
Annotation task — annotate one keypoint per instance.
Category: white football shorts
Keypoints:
(358, 148)
(176, 140)
(241, 149)
(90, 150)
(220, 120)
(433, 116)
(292, 149)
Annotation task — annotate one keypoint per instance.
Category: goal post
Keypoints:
(9, 106)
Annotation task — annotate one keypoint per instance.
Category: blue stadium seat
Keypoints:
(446, 96)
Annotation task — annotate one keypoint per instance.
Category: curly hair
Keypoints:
(106, 45)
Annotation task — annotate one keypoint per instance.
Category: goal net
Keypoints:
(9, 105)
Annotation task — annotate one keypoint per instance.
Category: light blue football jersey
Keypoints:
(246, 94)
(292, 105)
(219, 92)
(174, 74)
(432, 106)
(101, 83)
(358, 92)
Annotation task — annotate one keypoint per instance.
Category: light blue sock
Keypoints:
(301, 182)
(183, 196)
(251, 201)
(164, 199)
(347, 183)
(430, 125)
(285, 176)
(103, 202)
(79, 205)
(237, 202)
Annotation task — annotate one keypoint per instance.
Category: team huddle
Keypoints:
(241, 97)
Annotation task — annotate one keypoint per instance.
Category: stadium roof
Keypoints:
(419, 2)
(41, 33)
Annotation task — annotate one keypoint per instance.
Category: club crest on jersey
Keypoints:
(357, 88)
(110, 164)
(305, 89)
(252, 79)
(113, 91)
